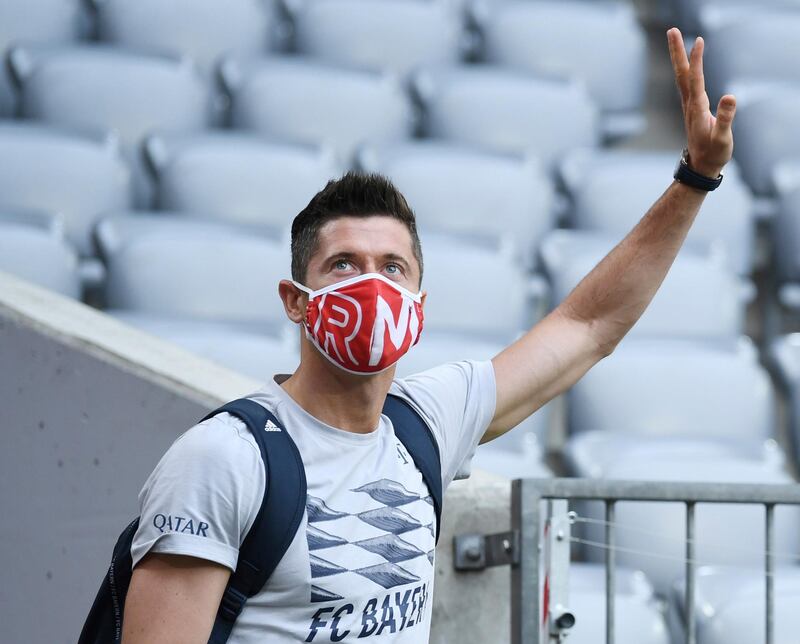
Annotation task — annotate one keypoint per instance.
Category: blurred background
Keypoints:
(153, 154)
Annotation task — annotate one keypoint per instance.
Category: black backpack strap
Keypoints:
(278, 517)
(420, 442)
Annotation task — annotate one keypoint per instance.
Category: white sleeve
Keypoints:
(204, 494)
(458, 402)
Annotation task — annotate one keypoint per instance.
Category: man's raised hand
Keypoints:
(710, 140)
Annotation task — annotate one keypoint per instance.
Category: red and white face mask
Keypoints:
(363, 324)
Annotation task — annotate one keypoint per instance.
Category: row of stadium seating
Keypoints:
(395, 35)
(242, 180)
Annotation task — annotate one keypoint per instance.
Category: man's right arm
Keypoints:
(174, 599)
(196, 507)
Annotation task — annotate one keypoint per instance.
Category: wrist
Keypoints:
(706, 178)
(711, 171)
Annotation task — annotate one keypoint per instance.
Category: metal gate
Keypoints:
(520, 547)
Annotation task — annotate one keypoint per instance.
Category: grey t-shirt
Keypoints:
(361, 563)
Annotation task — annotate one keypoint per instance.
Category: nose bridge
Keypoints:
(371, 263)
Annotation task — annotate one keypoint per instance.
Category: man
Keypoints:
(352, 247)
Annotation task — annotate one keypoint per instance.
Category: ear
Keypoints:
(422, 298)
(294, 301)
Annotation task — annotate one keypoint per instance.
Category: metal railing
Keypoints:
(526, 495)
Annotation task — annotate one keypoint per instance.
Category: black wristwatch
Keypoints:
(685, 174)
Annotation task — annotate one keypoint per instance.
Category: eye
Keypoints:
(341, 265)
(393, 269)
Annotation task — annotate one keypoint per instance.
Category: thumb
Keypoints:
(725, 113)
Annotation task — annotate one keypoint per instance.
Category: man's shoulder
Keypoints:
(222, 437)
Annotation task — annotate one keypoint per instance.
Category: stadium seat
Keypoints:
(44, 22)
(49, 170)
(730, 603)
(475, 287)
(516, 454)
(700, 298)
(259, 355)
(593, 179)
(637, 616)
(454, 188)
(237, 178)
(314, 103)
(393, 35)
(507, 111)
(203, 30)
(765, 131)
(696, 16)
(48, 222)
(607, 50)
(39, 255)
(784, 357)
(650, 536)
(662, 388)
(759, 45)
(103, 89)
(162, 265)
(786, 233)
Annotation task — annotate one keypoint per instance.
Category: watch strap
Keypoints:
(686, 175)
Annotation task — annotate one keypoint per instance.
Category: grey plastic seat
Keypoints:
(637, 618)
(310, 102)
(40, 256)
(516, 454)
(203, 30)
(786, 232)
(77, 177)
(730, 604)
(507, 111)
(784, 357)
(35, 22)
(758, 45)
(475, 287)
(103, 89)
(765, 131)
(607, 51)
(48, 222)
(396, 35)
(456, 188)
(662, 388)
(650, 536)
(259, 355)
(236, 177)
(700, 298)
(169, 266)
(696, 16)
(593, 179)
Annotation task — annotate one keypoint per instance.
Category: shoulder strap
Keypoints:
(420, 442)
(283, 503)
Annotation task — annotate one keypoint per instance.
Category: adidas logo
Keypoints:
(271, 427)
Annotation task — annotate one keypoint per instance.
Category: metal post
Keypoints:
(611, 579)
(690, 555)
(769, 572)
(558, 618)
(525, 601)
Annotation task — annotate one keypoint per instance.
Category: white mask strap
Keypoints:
(359, 278)
(305, 289)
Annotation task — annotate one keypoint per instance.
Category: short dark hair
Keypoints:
(353, 195)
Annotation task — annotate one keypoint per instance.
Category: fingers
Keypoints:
(697, 82)
(726, 110)
(680, 62)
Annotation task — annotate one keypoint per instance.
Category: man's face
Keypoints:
(351, 246)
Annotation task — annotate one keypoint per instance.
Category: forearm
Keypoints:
(613, 296)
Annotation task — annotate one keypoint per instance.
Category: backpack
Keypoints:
(267, 541)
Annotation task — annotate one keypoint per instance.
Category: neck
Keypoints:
(340, 399)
